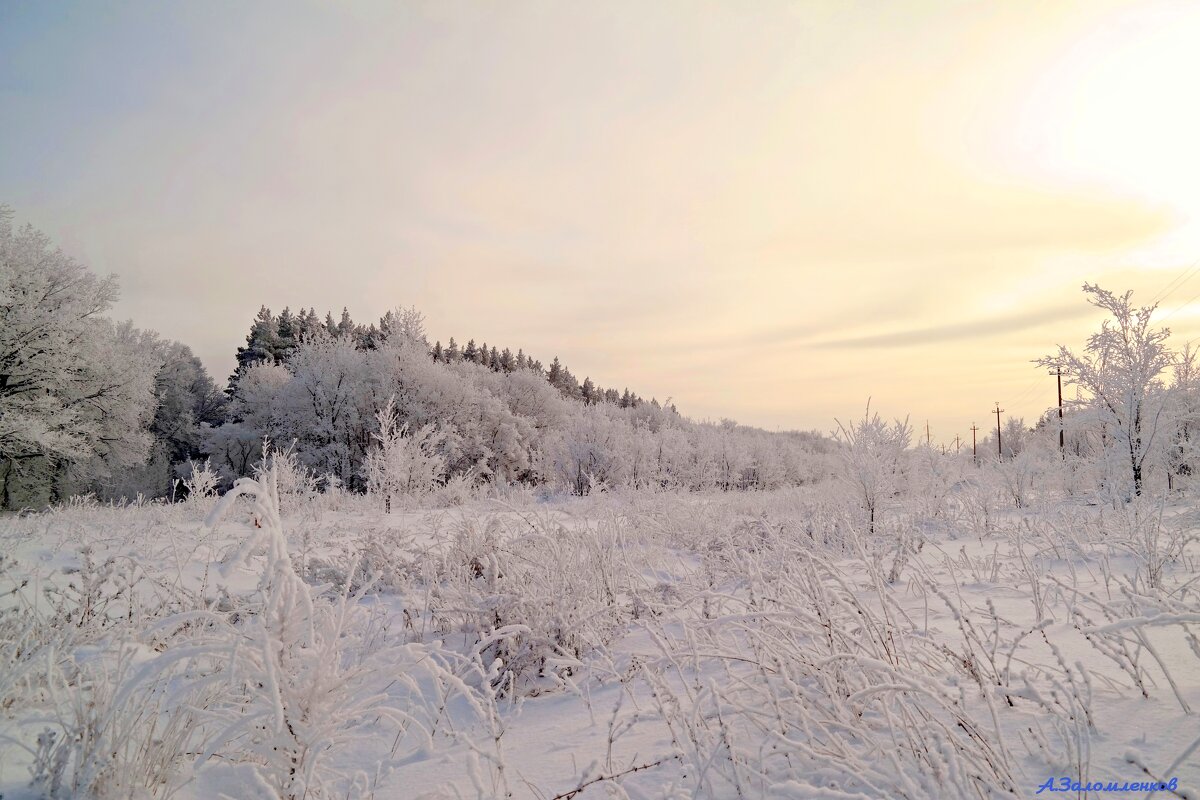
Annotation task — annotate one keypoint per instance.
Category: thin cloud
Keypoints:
(974, 329)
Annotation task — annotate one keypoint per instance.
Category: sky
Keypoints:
(766, 211)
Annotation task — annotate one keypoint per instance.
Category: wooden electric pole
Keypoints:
(999, 447)
(974, 452)
(1062, 439)
(927, 433)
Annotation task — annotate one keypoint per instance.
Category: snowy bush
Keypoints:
(201, 482)
(872, 460)
(403, 463)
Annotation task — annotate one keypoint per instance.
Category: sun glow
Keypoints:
(1108, 113)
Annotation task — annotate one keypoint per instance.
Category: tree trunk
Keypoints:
(5, 485)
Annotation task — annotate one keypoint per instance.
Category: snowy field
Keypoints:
(625, 645)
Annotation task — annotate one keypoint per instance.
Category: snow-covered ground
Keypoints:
(763, 644)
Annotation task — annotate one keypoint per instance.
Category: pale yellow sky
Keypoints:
(767, 211)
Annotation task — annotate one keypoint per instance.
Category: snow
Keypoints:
(632, 644)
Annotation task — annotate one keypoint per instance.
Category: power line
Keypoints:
(1179, 308)
(1177, 283)
(1026, 392)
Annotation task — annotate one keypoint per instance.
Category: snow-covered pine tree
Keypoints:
(262, 343)
(345, 326)
(288, 334)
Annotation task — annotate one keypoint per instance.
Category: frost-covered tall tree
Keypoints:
(75, 389)
(1120, 370)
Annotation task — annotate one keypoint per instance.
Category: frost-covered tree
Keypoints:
(187, 405)
(262, 344)
(76, 391)
(872, 459)
(345, 326)
(1015, 437)
(255, 413)
(325, 407)
(590, 453)
(309, 324)
(287, 334)
(1183, 446)
(403, 462)
(1120, 371)
(403, 323)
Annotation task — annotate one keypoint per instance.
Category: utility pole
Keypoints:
(927, 433)
(999, 448)
(1062, 440)
(956, 445)
(974, 452)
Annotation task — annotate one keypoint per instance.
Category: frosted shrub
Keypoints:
(404, 462)
(1139, 529)
(458, 490)
(822, 696)
(272, 689)
(932, 476)
(296, 700)
(1019, 474)
(872, 460)
(294, 481)
(201, 482)
(556, 590)
(123, 728)
(978, 499)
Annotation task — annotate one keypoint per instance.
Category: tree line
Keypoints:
(92, 406)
